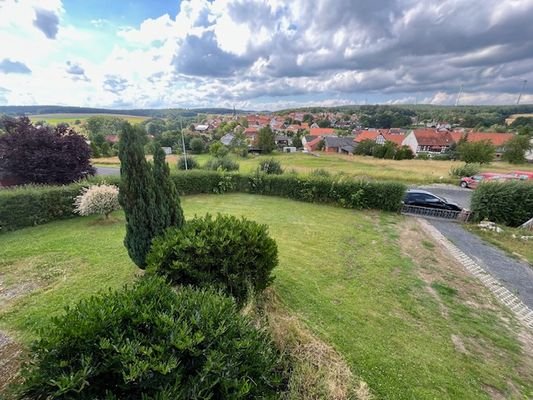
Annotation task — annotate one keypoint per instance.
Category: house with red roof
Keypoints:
(428, 141)
(311, 143)
(498, 140)
(251, 135)
(366, 135)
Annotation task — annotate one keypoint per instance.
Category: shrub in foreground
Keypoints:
(97, 199)
(508, 203)
(222, 164)
(468, 169)
(191, 163)
(270, 166)
(149, 341)
(234, 255)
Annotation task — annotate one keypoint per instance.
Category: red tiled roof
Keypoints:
(313, 144)
(497, 139)
(430, 137)
(398, 139)
(366, 135)
(251, 131)
(321, 131)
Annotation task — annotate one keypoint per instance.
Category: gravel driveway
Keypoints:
(516, 276)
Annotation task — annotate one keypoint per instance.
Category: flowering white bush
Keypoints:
(97, 199)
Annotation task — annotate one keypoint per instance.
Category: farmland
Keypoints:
(407, 171)
(54, 119)
(408, 322)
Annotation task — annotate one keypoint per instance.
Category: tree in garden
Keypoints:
(365, 147)
(197, 145)
(476, 152)
(265, 140)
(516, 148)
(48, 155)
(217, 149)
(136, 195)
(168, 201)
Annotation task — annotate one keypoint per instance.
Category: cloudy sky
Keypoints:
(264, 54)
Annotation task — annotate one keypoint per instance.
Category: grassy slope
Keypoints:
(340, 271)
(408, 171)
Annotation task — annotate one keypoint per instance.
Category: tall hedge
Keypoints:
(508, 203)
(27, 206)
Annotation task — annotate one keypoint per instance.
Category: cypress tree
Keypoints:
(136, 195)
(168, 201)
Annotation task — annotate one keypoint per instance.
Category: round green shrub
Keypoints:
(231, 254)
(191, 163)
(468, 169)
(222, 164)
(271, 166)
(149, 341)
(197, 145)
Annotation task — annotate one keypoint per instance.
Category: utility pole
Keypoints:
(459, 95)
(183, 144)
(524, 83)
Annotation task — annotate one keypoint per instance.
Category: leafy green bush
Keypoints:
(270, 166)
(508, 203)
(234, 255)
(197, 145)
(465, 170)
(222, 164)
(191, 163)
(149, 341)
(423, 156)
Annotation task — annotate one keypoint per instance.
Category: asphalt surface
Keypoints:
(455, 194)
(515, 275)
(107, 171)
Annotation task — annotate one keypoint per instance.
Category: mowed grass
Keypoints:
(71, 118)
(509, 240)
(344, 273)
(407, 171)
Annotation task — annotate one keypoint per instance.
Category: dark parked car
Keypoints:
(421, 198)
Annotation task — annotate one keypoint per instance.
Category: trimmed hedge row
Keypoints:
(508, 203)
(34, 205)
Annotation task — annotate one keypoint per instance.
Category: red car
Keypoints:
(472, 181)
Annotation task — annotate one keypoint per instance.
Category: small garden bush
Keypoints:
(151, 342)
(508, 203)
(191, 163)
(222, 164)
(468, 169)
(270, 166)
(234, 255)
(97, 199)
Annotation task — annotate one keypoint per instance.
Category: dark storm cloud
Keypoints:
(115, 84)
(13, 67)
(201, 56)
(47, 22)
(393, 45)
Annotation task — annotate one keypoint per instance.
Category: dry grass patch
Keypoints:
(318, 371)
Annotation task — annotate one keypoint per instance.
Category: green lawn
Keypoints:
(408, 324)
(407, 171)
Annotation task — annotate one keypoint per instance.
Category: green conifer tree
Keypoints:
(168, 201)
(136, 195)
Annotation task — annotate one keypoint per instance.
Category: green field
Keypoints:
(407, 320)
(407, 171)
(54, 119)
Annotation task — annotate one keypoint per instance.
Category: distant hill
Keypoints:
(45, 109)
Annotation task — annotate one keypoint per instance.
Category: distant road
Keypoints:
(107, 171)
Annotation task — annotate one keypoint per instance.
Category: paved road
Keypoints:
(107, 171)
(452, 193)
(516, 276)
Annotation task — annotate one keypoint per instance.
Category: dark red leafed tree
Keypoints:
(49, 155)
